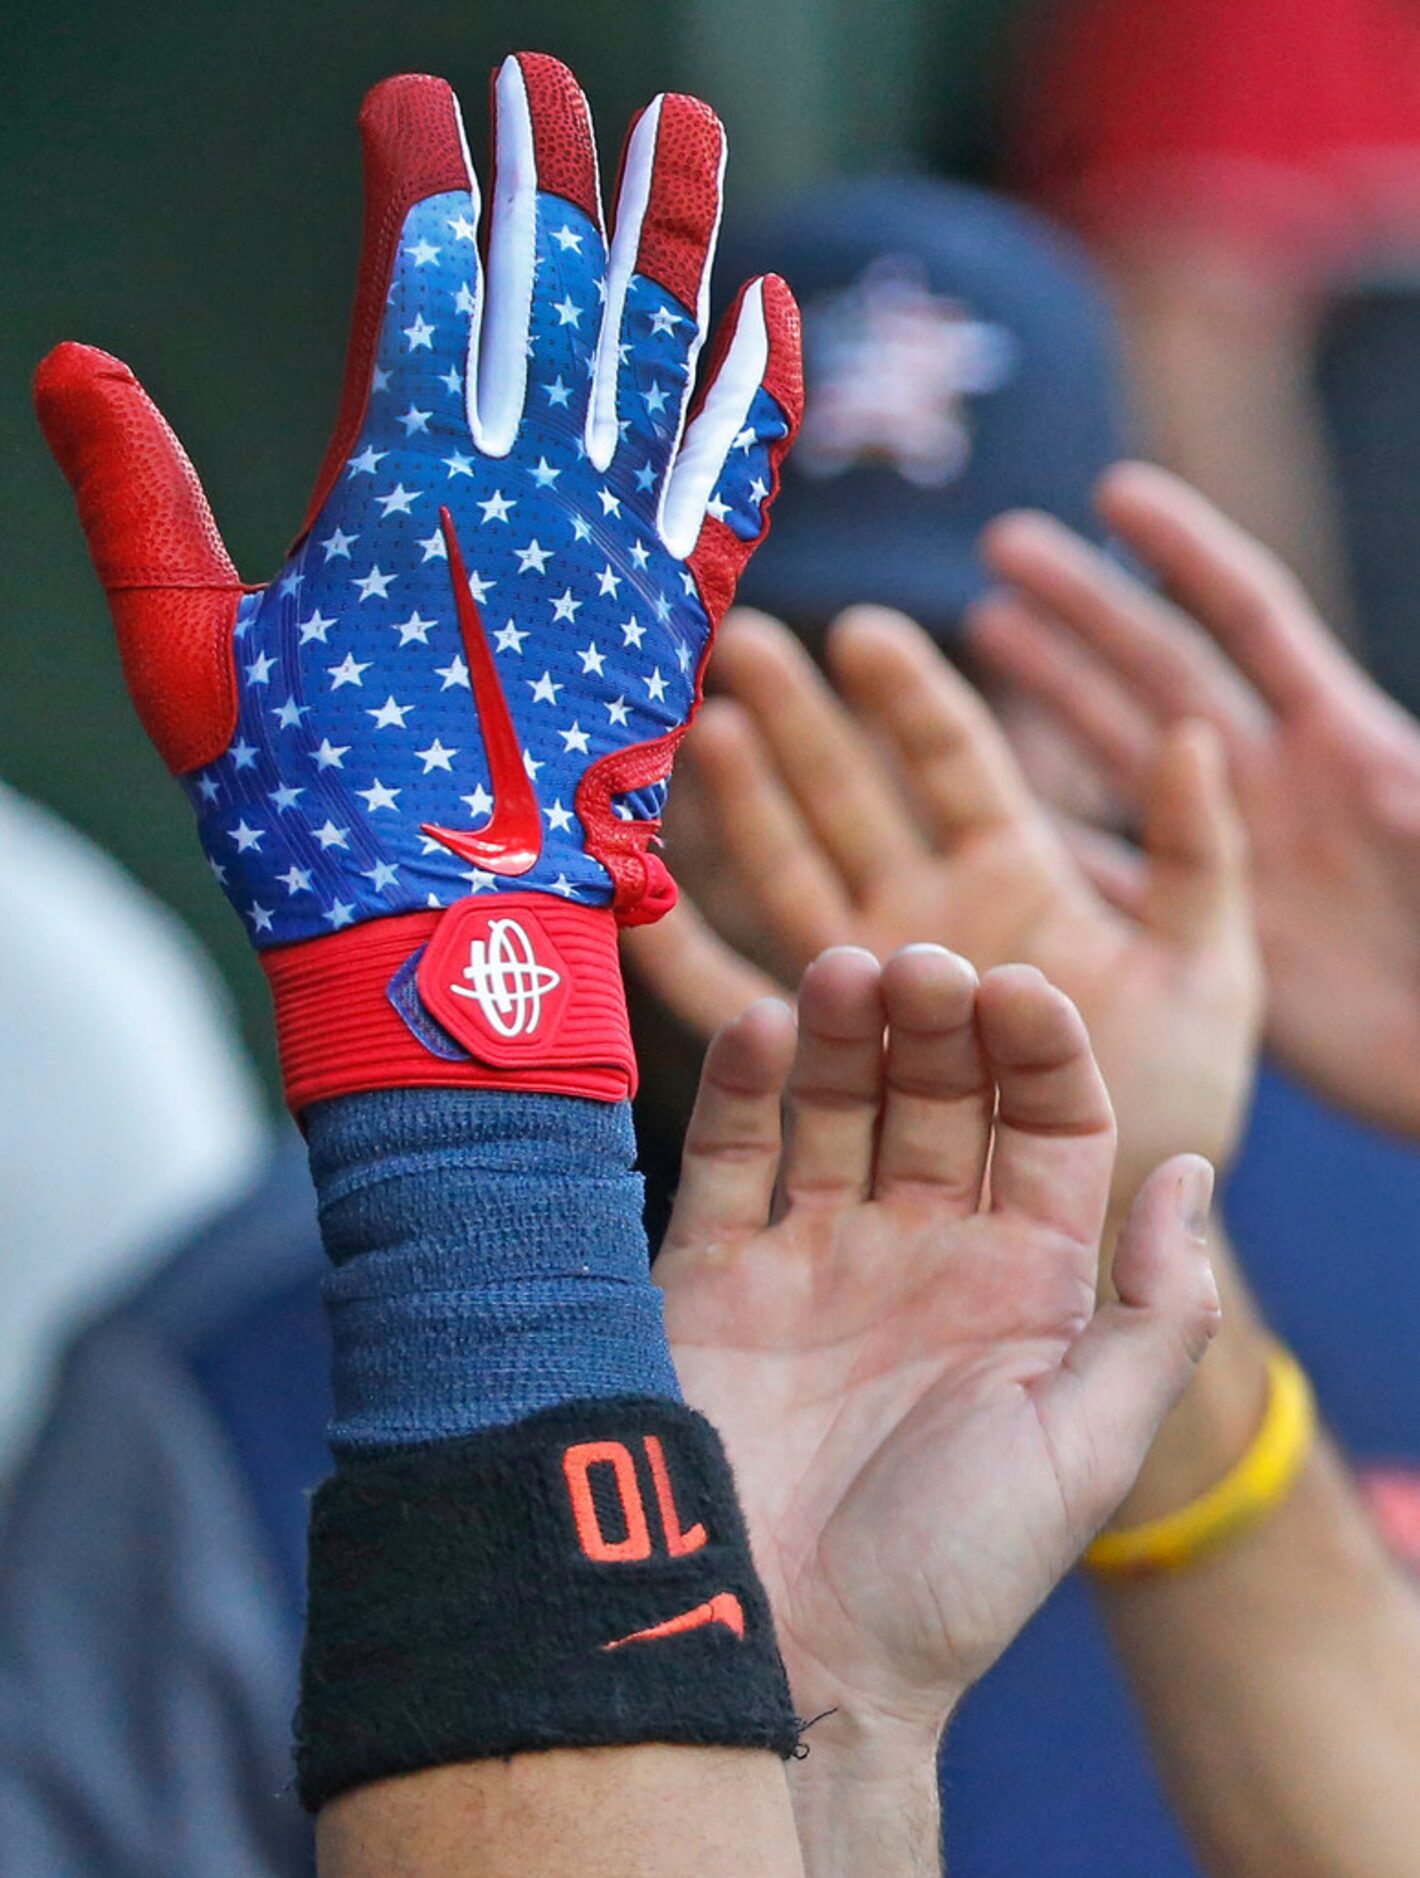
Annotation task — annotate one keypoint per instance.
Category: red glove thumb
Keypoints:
(171, 585)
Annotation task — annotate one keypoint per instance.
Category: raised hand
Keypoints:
(1325, 768)
(428, 759)
(927, 1414)
(895, 813)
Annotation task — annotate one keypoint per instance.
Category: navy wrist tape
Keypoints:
(489, 1261)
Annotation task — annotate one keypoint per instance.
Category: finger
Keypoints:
(687, 965)
(1130, 1364)
(665, 223)
(823, 756)
(938, 1098)
(171, 585)
(546, 259)
(1022, 645)
(731, 1154)
(1115, 868)
(1151, 644)
(744, 417)
(1053, 1151)
(955, 755)
(1246, 597)
(413, 331)
(835, 1088)
(797, 894)
(1194, 841)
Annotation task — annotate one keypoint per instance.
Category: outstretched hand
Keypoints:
(928, 1414)
(1325, 767)
(892, 811)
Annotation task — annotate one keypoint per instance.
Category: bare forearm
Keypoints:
(641, 1812)
(1281, 1679)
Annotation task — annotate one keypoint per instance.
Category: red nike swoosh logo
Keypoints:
(510, 841)
(724, 1608)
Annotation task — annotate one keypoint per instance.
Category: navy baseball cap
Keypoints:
(960, 360)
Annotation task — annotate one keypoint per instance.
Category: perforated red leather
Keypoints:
(172, 588)
(410, 130)
(684, 202)
(338, 1033)
(562, 132)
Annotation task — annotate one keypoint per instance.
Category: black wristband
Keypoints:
(581, 1579)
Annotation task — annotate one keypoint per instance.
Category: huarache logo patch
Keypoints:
(496, 982)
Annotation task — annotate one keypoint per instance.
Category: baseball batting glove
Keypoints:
(428, 759)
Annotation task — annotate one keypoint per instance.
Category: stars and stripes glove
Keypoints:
(428, 759)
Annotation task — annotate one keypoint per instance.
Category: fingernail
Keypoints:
(1195, 1197)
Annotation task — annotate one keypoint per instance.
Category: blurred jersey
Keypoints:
(1290, 126)
(126, 1109)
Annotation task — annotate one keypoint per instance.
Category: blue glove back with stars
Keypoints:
(469, 679)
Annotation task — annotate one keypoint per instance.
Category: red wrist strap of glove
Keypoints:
(509, 991)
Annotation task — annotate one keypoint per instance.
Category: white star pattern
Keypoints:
(399, 501)
(348, 672)
(377, 796)
(390, 715)
(324, 828)
(316, 627)
(436, 757)
(374, 585)
(414, 629)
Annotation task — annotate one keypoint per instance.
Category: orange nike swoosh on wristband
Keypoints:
(724, 1608)
(510, 841)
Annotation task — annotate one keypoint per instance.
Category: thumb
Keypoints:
(1193, 838)
(171, 585)
(1106, 1402)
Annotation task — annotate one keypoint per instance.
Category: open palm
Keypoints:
(927, 1415)
(895, 812)
(1325, 768)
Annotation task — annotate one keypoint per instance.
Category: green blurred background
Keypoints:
(182, 187)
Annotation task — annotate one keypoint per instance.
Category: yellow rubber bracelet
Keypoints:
(1246, 1495)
